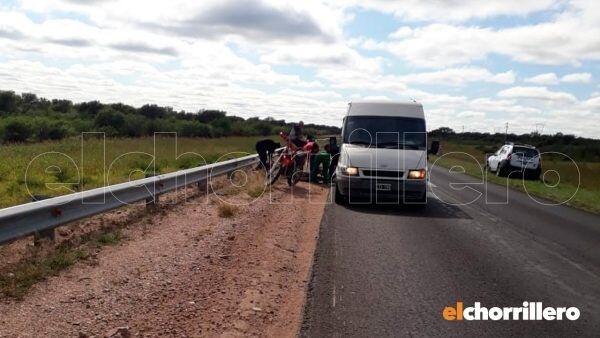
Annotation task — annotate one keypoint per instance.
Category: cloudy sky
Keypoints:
(473, 64)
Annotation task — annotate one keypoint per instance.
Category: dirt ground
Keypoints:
(184, 271)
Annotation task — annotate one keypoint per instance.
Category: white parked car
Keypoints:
(383, 156)
(513, 158)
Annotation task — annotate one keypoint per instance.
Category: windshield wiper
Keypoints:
(413, 146)
(390, 145)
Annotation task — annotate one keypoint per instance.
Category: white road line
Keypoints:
(333, 298)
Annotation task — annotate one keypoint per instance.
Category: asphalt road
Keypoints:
(383, 271)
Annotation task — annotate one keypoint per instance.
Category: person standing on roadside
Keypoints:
(334, 151)
(265, 149)
(297, 135)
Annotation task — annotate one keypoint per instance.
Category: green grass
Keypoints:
(17, 279)
(109, 238)
(586, 196)
(23, 275)
(59, 169)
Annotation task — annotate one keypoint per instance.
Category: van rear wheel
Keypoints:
(501, 170)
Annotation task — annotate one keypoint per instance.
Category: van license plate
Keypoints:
(384, 186)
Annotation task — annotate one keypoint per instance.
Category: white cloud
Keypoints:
(257, 20)
(536, 93)
(543, 79)
(437, 45)
(460, 76)
(569, 38)
(577, 78)
(236, 56)
(593, 103)
(452, 11)
(552, 78)
(335, 55)
(471, 114)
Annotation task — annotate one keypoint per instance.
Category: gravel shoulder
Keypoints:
(185, 271)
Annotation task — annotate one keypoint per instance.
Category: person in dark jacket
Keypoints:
(334, 150)
(265, 149)
(297, 135)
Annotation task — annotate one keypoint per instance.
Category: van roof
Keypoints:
(386, 108)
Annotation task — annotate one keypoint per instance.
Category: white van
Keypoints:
(383, 157)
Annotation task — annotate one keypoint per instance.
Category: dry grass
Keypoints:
(226, 210)
(202, 232)
(255, 186)
(250, 182)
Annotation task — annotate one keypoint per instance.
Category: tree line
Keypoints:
(578, 148)
(29, 118)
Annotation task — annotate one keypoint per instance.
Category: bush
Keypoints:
(223, 125)
(62, 106)
(193, 129)
(208, 116)
(8, 101)
(45, 129)
(264, 129)
(109, 118)
(27, 116)
(90, 108)
(108, 131)
(133, 126)
(153, 111)
(16, 130)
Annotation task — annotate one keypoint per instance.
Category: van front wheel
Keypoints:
(339, 198)
(420, 203)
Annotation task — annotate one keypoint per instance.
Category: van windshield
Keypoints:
(385, 132)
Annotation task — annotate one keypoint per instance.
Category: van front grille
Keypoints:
(383, 173)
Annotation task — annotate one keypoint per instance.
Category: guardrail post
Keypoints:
(231, 174)
(203, 186)
(152, 201)
(40, 236)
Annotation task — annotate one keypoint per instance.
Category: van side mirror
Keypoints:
(435, 148)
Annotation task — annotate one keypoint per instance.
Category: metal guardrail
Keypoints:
(36, 217)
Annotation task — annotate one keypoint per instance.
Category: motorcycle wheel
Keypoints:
(294, 176)
(273, 173)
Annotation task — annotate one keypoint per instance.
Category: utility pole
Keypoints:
(506, 133)
(463, 129)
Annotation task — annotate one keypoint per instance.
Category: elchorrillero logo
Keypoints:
(528, 311)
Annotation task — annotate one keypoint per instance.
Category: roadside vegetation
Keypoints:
(39, 262)
(45, 261)
(44, 153)
(28, 118)
(551, 186)
(58, 167)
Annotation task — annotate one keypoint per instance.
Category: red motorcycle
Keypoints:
(290, 162)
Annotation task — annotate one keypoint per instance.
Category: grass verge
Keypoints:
(17, 279)
(577, 186)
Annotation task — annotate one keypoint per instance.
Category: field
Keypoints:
(59, 167)
(578, 184)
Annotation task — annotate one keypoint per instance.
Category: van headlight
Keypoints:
(418, 174)
(350, 171)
